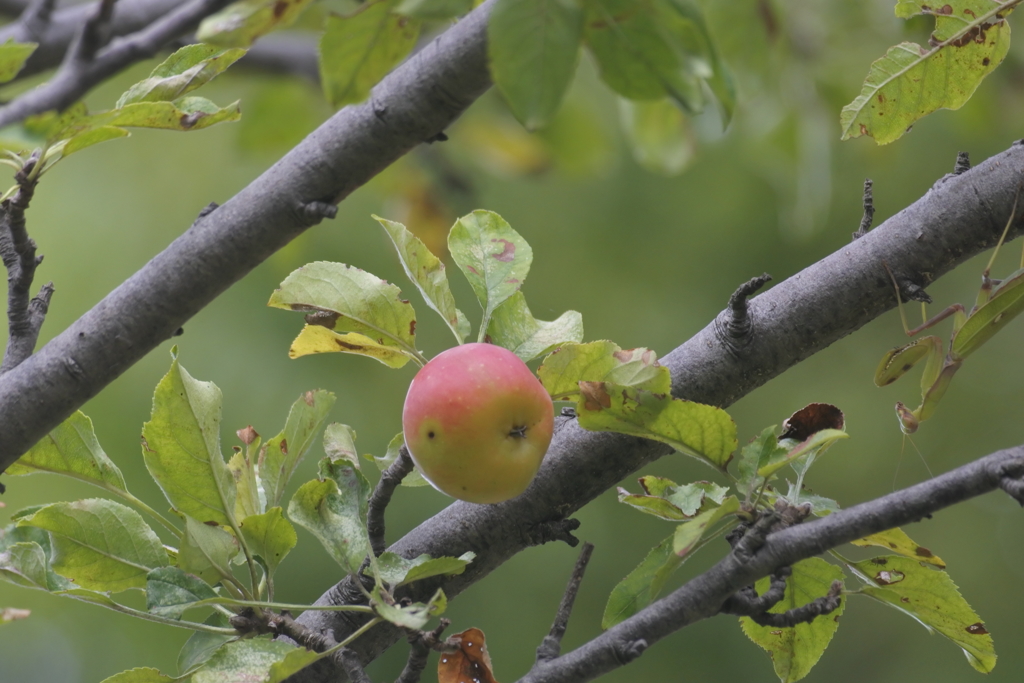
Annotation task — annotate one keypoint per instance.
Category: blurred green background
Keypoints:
(648, 260)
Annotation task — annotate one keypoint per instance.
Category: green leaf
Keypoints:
(795, 650)
(90, 137)
(340, 443)
(201, 645)
(704, 432)
(293, 662)
(414, 616)
(187, 69)
(72, 449)
(642, 585)
(206, 551)
(181, 447)
(513, 327)
(347, 299)
(252, 661)
(398, 571)
(813, 445)
(970, 40)
(247, 489)
(99, 544)
(283, 453)
(426, 272)
(140, 675)
(929, 596)
(647, 49)
(494, 258)
(601, 361)
(186, 113)
(414, 478)
(241, 23)
(358, 50)
(755, 455)
(269, 536)
(898, 541)
(434, 10)
(659, 134)
(333, 508)
(533, 47)
(170, 591)
(667, 500)
(25, 564)
(688, 534)
(12, 57)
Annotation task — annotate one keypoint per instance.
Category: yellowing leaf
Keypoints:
(689, 533)
(13, 56)
(898, 541)
(317, 339)
(929, 596)
(971, 39)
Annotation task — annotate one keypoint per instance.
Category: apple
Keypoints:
(477, 423)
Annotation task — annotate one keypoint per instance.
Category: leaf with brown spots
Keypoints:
(470, 664)
(494, 258)
(970, 40)
(930, 597)
(601, 361)
(897, 541)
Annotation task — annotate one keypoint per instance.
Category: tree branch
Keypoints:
(552, 643)
(386, 485)
(59, 31)
(87, 62)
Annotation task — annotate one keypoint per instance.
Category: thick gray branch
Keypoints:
(702, 596)
(414, 103)
(958, 218)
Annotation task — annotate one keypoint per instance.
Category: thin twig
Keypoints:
(389, 481)
(868, 201)
(551, 646)
(89, 60)
(421, 643)
(18, 251)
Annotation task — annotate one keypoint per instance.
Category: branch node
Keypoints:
(804, 614)
(314, 212)
(735, 329)
(381, 496)
(94, 34)
(558, 530)
(963, 163)
(627, 651)
(551, 646)
(869, 210)
(440, 137)
(1011, 480)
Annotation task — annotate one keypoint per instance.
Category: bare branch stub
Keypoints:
(25, 316)
(94, 35)
(381, 496)
(868, 217)
(963, 163)
(36, 17)
(552, 643)
(735, 329)
(351, 665)
(557, 530)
